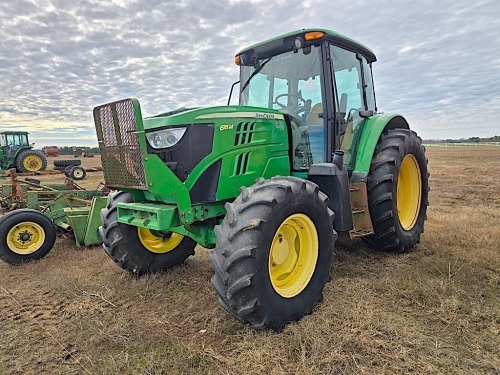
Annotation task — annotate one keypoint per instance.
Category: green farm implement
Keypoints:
(267, 184)
(35, 210)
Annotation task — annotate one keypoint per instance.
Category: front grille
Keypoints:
(193, 147)
(116, 125)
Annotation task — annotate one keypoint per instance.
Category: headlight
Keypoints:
(165, 138)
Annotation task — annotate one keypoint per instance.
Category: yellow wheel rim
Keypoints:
(409, 192)
(157, 244)
(293, 255)
(25, 238)
(32, 163)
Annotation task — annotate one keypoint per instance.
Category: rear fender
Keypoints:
(372, 130)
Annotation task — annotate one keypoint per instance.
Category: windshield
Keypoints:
(291, 82)
(292, 77)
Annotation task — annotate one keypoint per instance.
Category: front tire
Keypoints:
(31, 161)
(274, 251)
(398, 187)
(25, 235)
(139, 250)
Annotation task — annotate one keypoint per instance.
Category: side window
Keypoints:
(370, 94)
(11, 140)
(24, 140)
(347, 85)
(315, 134)
(349, 73)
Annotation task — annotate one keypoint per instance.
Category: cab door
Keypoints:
(12, 145)
(353, 93)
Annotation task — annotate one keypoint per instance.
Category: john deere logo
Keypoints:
(269, 116)
(226, 127)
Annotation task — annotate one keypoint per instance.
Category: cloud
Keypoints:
(437, 63)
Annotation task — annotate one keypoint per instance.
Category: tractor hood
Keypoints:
(206, 115)
(203, 154)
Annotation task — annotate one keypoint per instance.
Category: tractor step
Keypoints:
(360, 213)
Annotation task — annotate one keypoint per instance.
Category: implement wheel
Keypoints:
(31, 161)
(25, 235)
(398, 187)
(274, 251)
(139, 250)
(76, 173)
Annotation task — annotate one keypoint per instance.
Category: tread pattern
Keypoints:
(393, 146)
(121, 242)
(240, 259)
(19, 160)
(66, 162)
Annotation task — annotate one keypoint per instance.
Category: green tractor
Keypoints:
(267, 184)
(16, 152)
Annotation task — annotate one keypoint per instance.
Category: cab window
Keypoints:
(350, 71)
(291, 83)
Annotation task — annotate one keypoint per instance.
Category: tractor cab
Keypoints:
(322, 82)
(11, 142)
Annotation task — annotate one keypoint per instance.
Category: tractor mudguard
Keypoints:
(372, 130)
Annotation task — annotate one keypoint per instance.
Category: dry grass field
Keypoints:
(435, 310)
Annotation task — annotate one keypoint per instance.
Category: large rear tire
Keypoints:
(274, 251)
(139, 250)
(31, 161)
(398, 187)
(25, 235)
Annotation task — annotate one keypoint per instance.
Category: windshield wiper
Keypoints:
(255, 72)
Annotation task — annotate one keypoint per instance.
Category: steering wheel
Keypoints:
(294, 111)
(301, 107)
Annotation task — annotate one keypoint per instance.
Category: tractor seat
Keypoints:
(313, 116)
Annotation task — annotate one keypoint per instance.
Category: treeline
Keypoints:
(66, 150)
(495, 138)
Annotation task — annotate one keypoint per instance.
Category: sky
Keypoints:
(438, 61)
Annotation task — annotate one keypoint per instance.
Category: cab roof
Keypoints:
(286, 42)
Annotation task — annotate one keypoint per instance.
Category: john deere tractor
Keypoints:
(16, 152)
(267, 184)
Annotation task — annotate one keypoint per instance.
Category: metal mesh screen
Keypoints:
(119, 144)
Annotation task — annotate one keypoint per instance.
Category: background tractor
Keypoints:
(268, 184)
(17, 152)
